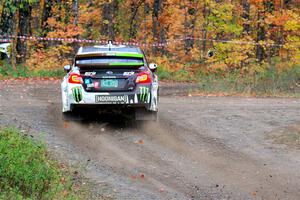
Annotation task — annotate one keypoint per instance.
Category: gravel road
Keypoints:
(201, 148)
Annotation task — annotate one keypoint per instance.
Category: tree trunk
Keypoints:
(132, 24)
(206, 11)
(260, 37)
(75, 10)
(46, 14)
(146, 12)
(106, 19)
(2, 6)
(190, 25)
(15, 39)
(23, 29)
(246, 16)
(7, 20)
(155, 23)
(109, 11)
(269, 6)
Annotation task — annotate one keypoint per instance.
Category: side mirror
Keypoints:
(153, 67)
(67, 68)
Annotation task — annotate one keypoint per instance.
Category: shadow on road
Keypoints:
(117, 121)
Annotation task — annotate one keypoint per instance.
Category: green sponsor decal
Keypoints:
(77, 94)
(132, 55)
(126, 64)
(144, 92)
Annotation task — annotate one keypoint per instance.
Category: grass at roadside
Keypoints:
(6, 71)
(268, 82)
(27, 172)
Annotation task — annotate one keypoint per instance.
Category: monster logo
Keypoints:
(144, 92)
(77, 94)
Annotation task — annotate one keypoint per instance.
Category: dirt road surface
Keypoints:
(201, 148)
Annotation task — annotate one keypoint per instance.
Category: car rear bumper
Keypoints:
(141, 96)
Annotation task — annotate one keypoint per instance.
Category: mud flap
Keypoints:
(141, 114)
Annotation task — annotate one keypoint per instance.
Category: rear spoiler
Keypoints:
(109, 54)
(93, 55)
(107, 65)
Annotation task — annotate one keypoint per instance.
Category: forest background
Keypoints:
(235, 46)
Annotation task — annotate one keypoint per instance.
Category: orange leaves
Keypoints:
(89, 15)
(139, 141)
(52, 22)
(208, 20)
(66, 125)
(141, 176)
(49, 59)
(257, 3)
(61, 24)
(278, 4)
(63, 30)
(278, 18)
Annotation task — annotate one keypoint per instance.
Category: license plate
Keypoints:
(111, 98)
(109, 83)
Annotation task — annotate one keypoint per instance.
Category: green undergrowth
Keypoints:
(267, 82)
(27, 172)
(6, 71)
(179, 75)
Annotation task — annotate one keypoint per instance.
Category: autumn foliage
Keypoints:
(246, 35)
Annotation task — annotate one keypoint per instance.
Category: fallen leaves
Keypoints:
(66, 125)
(139, 141)
(141, 176)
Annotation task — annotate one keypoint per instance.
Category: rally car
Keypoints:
(111, 78)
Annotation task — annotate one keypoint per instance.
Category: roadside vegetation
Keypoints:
(268, 80)
(6, 71)
(249, 46)
(28, 172)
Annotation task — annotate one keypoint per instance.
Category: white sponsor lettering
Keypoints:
(90, 85)
(122, 98)
(128, 73)
(90, 74)
(109, 77)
